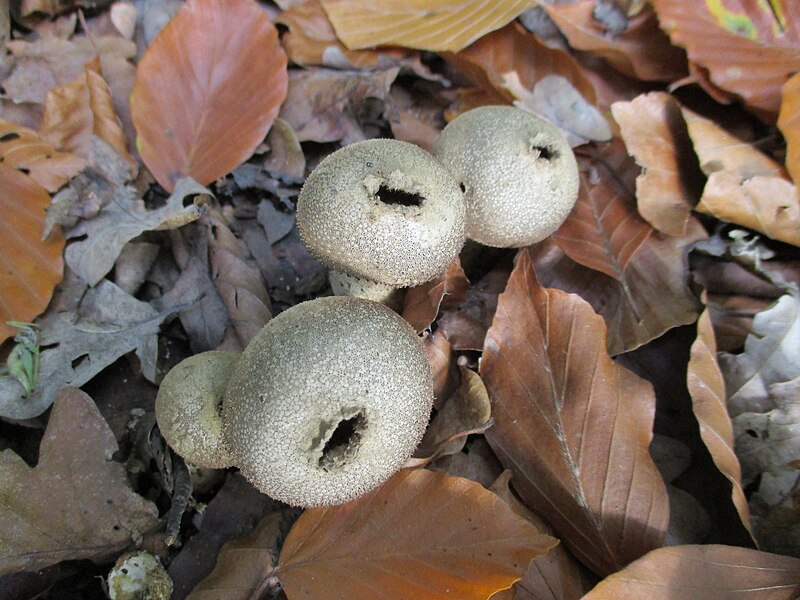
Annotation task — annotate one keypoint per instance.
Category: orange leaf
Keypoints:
(655, 134)
(436, 25)
(30, 267)
(604, 231)
(421, 535)
(572, 426)
(709, 572)
(789, 124)
(707, 389)
(513, 49)
(82, 108)
(22, 149)
(207, 90)
(642, 51)
(750, 51)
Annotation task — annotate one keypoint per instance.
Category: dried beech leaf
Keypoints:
(422, 303)
(420, 535)
(789, 124)
(711, 572)
(604, 231)
(707, 389)
(655, 134)
(437, 25)
(641, 51)
(771, 355)
(82, 108)
(124, 218)
(207, 90)
(571, 425)
(23, 149)
(749, 50)
(442, 362)
(80, 340)
(30, 267)
(76, 503)
(512, 49)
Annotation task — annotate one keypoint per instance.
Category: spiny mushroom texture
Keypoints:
(188, 408)
(382, 210)
(519, 175)
(328, 401)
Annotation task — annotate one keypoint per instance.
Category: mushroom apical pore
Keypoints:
(327, 401)
(382, 210)
(519, 175)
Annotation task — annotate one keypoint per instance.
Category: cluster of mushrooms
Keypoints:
(333, 395)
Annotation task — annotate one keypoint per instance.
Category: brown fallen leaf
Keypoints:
(711, 572)
(750, 51)
(443, 365)
(641, 51)
(286, 158)
(707, 389)
(437, 25)
(423, 302)
(25, 150)
(207, 90)
(420, 535)
(76, 503)
(571, 425)
(30, 267)
(655, 134)
(415, 114)
(604, 231)
(789, 124)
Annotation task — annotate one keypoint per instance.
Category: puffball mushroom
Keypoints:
(383, 211)
(188, 408)
(519, 175)
(327, 401)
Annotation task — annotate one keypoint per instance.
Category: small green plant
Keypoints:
(23, 361)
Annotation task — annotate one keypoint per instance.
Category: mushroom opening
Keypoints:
(543, 152)
(398, 197)
(343, 441)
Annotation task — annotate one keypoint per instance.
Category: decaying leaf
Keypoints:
(655, 134)
(422, 303)
(30, 266)
(711, 572)
(571, 425)
(207, 90)
(419, 535)
(23, 149)
(789, 124)
(771, 355)
(436, 25)
(77, 502)
(707, 389)
(95, 328)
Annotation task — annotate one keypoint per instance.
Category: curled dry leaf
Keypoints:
(749, 50)
(711, 572)
(30, 267)
(512, 49)
(641, 51)
(76, 503)
(771, 355)
(707, 389)
(441, 360)
(437, 25)
(655, 134)
(789, 124)
(207, 90)
(422, 303)
(572, 426)
(419, 535)
(24, 149)
(603, 232)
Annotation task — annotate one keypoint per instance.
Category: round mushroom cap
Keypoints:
(188, 408)
(382, 210)
(327, 401)
(519, 175)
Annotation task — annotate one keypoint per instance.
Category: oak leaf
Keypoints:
(207, 90)
(572, 426)
(420, 535)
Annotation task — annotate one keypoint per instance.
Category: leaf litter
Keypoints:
(679, 260)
